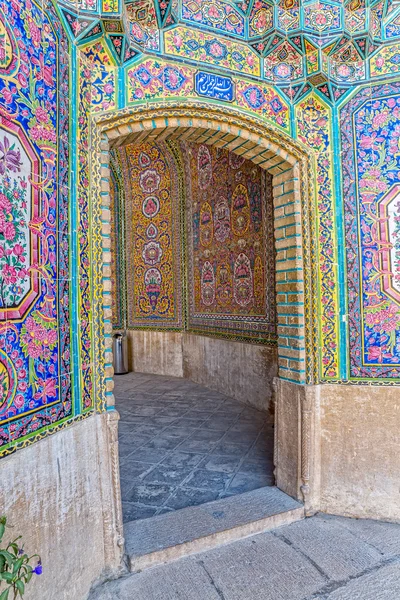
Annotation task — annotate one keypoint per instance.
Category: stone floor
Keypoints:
(182, 445)
(322, 558)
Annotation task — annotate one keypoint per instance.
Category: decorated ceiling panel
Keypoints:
(295, 44)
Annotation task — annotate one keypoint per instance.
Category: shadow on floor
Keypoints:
(182, 444)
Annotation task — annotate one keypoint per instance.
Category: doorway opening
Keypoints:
(289, 167)
(194, 285)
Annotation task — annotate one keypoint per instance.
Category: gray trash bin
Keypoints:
(120, 353)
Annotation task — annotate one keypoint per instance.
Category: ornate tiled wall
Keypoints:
(199, 215)
(370, 134)
(36, 380)
(299, 66)
(320, 73)
(230, 244)
(153, 237)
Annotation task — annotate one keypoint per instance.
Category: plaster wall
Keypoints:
(57, 494)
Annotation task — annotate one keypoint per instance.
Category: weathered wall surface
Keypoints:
(360, 451)
(156, 352)
(242, 371)
(345, 441)
(56, 495)
(297, 455)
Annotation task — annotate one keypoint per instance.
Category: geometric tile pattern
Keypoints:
(371, 155)
(269, 39)
(323, 74)
(35, 345)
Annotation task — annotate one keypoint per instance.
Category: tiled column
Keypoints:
(106, 247)
(289, 274)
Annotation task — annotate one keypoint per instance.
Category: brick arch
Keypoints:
(287, 161)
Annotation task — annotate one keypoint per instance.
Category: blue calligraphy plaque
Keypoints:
(214, 86)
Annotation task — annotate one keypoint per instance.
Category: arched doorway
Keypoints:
(289, 166)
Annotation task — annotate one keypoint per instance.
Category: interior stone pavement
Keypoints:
(320, 558)
(182, 444)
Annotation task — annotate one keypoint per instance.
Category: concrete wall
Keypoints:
(242, 371)
(340, 444)
(58, 495)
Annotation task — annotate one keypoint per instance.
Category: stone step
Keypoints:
(168, 537)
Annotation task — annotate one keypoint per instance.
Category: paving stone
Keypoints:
(197, 446)
(260, 452)
(170, 433)
(231, 408)
(136, 440)
(134, 468)
(184, 497)
(164, 511)
(132, 512)
(173, 412)
(145, 411)
(206, 405)
(203, 479)
(181, 582)
(246, 427)
(182, 459)
(245, 482)
(126, 487)
(385, 537)
(177, 433)
(257, 466)
(321, 558)
(240, 437)
(197, 523)
(162, 420)
(261, 568)
(152, 456)
(150, 430)
(345, 556)
(215, 425)
(201, 414)
(231, 449)
(168, 474)
(149, 494)
(189, 423)
(223, 464)
(381, 584)
(206, 434)
(183, 406)
(125, 450)
(165, 443)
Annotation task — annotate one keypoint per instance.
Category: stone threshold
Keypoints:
(168, 537)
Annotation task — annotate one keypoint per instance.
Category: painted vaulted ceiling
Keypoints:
(294, 44)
